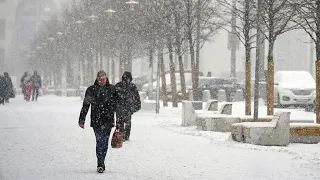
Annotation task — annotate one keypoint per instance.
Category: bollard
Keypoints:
(222, 95)
(238, 95)
(206, 96)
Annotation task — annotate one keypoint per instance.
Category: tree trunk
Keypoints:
(130, 59)
(198, 50)
(163, 79)
(191, 48)
(101, 59)
(318, 90)
(127, 59)
(120, 66)
(113, 70)
(179, 54)
(173, 77)
(150, 92)
(182, 74)
(97, 64)
(248, 80)
(248, 58)
(270, 85)
(107, 65)
(318, 73)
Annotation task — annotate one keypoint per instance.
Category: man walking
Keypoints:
(2, 89)
(8, 87)
(129, 103)
(36, 85)
(102, 98)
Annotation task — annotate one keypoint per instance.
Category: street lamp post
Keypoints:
(63, 69)
(79, 22)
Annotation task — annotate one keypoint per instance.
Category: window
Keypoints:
(2, 28)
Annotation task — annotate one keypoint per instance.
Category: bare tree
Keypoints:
(244, 11)
(276, 16)
(308, 18)
(201, 25)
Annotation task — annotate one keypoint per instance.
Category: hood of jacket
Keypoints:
(127, 77)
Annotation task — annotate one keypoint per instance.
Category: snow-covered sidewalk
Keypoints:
(42, 140)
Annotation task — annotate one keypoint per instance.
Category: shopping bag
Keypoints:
(116, 141)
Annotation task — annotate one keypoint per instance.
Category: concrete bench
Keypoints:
(188, 114)
(274, 133)
(211, 108)
(211, 105)
(219, 121)
(147, 105)
(192, 117)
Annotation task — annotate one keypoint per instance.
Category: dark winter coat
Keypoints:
(36, 81)
(103, 103)
(8, 87)
(2, 87)
(22, 80)
(128, 94)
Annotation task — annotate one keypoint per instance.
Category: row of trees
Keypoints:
(277, 17)
(96, 34)
(93, 34)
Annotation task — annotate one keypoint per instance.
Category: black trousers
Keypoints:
(35, 93)
(124, 120)
(102, 141)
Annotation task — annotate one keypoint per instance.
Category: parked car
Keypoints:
(188, 82)
(141, 80)
(214, 84)
(295, 88)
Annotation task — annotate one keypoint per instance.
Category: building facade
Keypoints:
(19, 20)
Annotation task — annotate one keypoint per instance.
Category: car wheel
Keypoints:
(309, 108)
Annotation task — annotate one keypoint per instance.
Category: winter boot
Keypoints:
(101, 168)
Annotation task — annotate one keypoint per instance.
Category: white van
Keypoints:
(294, 88)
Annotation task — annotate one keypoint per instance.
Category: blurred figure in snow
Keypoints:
(129, 103)
(27, 84)
(2, 89)
(36, 85)
(8, 88)
(22, 80)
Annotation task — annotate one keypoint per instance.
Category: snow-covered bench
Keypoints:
(147, 105)
(274, 133)
(211, 105)
(188, 114)
(308, 133)
(219, 121)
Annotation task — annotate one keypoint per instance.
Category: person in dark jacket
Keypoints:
(36, 85)
(8, 87)
(2, 89)
(22, 84)
(102, 98)
(129, 103)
